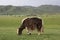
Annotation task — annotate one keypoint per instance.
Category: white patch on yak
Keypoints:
(17, 31)
(31, 17)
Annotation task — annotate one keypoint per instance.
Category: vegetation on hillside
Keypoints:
(9, 25)
(29, 10)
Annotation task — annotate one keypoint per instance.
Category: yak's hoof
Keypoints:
(29, 33)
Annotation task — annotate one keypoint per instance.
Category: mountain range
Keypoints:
(29, 10)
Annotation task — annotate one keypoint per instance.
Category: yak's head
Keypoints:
(19, 31)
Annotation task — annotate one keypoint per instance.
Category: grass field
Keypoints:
(9, 24)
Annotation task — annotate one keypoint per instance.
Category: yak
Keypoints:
(31, 24)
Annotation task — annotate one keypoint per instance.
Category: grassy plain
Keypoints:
(9, 24)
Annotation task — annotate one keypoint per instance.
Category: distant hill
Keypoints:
(29, 10)
(50, 8)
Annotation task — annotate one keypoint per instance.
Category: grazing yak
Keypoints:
(30, 24)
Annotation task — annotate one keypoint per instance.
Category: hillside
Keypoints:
(29, 10)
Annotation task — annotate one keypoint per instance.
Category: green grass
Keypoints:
(9, 24)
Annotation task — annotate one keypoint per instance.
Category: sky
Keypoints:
(29, 2)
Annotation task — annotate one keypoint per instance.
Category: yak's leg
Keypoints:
(28, 31)
(42, 29)
(39, 30)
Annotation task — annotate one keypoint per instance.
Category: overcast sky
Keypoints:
(29, 2)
